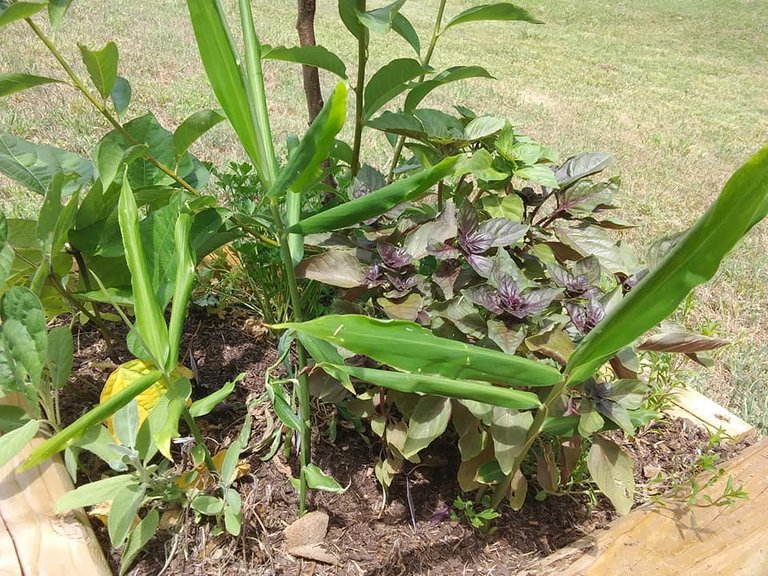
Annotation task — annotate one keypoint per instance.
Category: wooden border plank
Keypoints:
(690, 404)
(676, 540)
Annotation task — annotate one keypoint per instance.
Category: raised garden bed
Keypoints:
(543, 538)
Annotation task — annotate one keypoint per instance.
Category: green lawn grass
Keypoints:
(675, 90)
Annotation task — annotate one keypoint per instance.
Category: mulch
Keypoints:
(365, 536)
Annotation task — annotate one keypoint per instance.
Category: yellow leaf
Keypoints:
(125, 375)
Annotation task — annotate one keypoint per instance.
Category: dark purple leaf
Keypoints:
(441, 229)
(506, 338)
(443, 251)
(393, 256)
(581, 165)
(480, 264)
(585, 318)
(588, 267)
(475, 242)
(467, 220)
(372, 276)
(445, 277)
(585, 197)
(537, 299)
(680, 342)
(442, 513)
(486, 297)
(502, 232)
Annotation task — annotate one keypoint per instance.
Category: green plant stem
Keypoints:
(102, 109)
(425, 62)
(115, 123)
(305, 451)
(362, 61)
(198, 436)
(502, 488)
(258, 96)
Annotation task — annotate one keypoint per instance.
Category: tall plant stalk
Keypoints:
(258, 101)
(362, 62)
(424, 62)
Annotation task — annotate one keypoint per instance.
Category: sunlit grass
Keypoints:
(676, 91)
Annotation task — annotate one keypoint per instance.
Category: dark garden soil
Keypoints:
(365, 539)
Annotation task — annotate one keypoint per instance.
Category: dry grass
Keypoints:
(675, 90)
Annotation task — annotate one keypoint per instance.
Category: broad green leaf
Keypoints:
(232, 521)
(138, 538)
(159, 143)
(590, 420)
(348, 15)
(11, 83)
(229, 465)
(441, 386)
(428, 421)
(589, 240)
(510, 207)
(121, 95)
(303, 166)
(109, 156)
(400, 124)
(378, 202)
(11, 418)
(205, 405)
(409, 347)
(126, 424)
(304, 162)
(101, 66)
(454, 74)
(482, 127)
(580, 166)
(57, 9)
(221, 62)
(71, 433)
(282, 408)
(185, 277)
(23, 333)
(509, 429)
(7, 255)
(692, 261)
(193, 127)
(480, 165)
(389, 81)
(14, 442)
(18, 11)
(93, 493)
(35, 165)
(490, 473)
(538, 174)
(319, 480)
(60, 350)
(335, 267)
(177, 397)
(208, 505)
(149, 316)
(403, 27)
(611, 469)
(380, 20)
(499, 11)
(125, 506)
(317, 56)
(443, 228)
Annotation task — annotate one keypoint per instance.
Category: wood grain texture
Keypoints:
(674, 541)
(34, 541)
(688, 403)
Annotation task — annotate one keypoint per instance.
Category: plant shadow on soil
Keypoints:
(365, 539)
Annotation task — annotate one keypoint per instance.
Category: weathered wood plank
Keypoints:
(672, 541)
(688, 403)
(34, 541)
